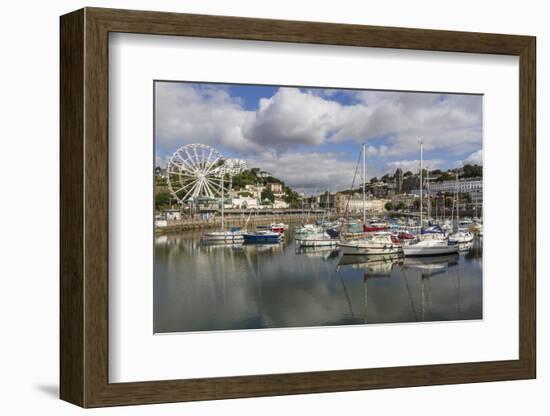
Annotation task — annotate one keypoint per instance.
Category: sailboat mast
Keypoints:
(457, 202)
(421, 161)
(429, 203)
(364, 183)
(221, 180)
(328, 204)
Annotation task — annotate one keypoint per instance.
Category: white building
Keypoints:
(244, 203)
(277, 189)
(254, 190)
(280, 204)
(470, 186)
(464, 185)
(354, 204)
(173, 214)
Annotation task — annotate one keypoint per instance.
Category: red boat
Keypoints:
(279, 228)
(405, 236)
(372, 229)
(395, 239)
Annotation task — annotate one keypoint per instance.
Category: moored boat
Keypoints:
(316, 240)
(461, 237)
(430, 247)
(274, 227)
(373, 244)
(233, 235)
(307, 229)
(262, 237)
(369, 228)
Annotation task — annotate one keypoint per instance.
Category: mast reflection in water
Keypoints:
(202, 287)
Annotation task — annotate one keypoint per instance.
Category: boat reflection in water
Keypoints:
(202, 286)
(429, 265)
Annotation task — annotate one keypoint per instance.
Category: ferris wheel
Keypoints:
(198, 170)
(193, 171)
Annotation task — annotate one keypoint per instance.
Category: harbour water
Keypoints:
(201, 287)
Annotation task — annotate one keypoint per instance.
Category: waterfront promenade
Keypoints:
(187, 224)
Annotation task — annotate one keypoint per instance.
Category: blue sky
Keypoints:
(311, 137)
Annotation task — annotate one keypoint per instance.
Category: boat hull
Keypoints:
(462, 239)
(261, 239)
(351, 249)
(220, 237)
(311, 242)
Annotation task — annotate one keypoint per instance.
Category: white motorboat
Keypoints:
(430, 247)
(233, 235)
(308, 229)
(461, 237)
(316, 240)
(373, 244)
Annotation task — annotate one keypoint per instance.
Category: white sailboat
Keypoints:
(319, 237)
(308, 229)
(372, 244)
(428, 246)
(378, 243)
(234, 235)
(462, 235)
(316, 240)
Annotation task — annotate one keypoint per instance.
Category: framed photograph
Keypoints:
(255, 207)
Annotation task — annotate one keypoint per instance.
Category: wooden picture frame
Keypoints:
(84, 207)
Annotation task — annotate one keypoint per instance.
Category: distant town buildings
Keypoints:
(277, 189)
(280, 204)
(244, 203)
(173, 214)
(404, 200)
(252, 191)
(409, 184)
(401, 190)
(471, 186)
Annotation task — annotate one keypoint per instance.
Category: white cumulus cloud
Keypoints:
(476, 158)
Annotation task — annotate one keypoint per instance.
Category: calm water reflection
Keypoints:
(215, 287)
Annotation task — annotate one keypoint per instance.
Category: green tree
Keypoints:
(268, 194)
(292, 198)
(465, 197)
(162, 199)
(373, 179)
(445, 176)
(388, 206)
(472, 171)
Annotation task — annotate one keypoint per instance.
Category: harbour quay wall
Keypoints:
(189, 224)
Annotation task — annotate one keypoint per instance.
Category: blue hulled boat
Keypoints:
(262, 237)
